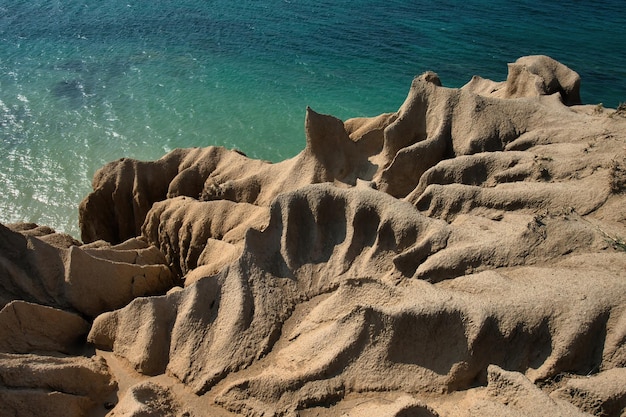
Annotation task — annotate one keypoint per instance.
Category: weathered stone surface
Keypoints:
(27, 328)
(32, 385)
(462, 256)
(89, 281)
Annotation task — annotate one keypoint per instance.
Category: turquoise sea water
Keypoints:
(84, 82)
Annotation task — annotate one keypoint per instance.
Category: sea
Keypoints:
(85, 82)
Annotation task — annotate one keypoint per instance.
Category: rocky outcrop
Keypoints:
(206, 234)
(28, 328)
(49, 285)
(603, 394)
(87, 280)
(317, 346)
(532, 76)
(511, 394)
(433, 124)
(462, 256)
(125, 190)
(32, 385)
(149, 399)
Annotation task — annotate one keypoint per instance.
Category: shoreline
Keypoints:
(461, 256)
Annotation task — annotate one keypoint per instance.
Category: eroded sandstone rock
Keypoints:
(27, 328)
(88, 281)
(469, 246)
(32, 385)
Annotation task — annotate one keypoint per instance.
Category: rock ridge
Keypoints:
(462, 256)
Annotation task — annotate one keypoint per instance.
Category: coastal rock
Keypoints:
(444, 337)
(149, 399)
(89, 281)
(462, 256)
(296, 257)
(511, 394)
(603, 394)
(95, 285)
(307, 253)
(194, 233)
(44, 233)
(27, 328)
(393, 151)
(532, 76)
(109, 214)
(403, 406)
(125, 190)
(32, 385)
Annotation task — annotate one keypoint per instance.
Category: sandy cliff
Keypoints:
(462, 256)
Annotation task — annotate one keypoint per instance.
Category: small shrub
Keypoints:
(617, 176)
(618, 243)
(620, 111)
(599, 109)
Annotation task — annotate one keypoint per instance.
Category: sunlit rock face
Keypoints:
(461, 256)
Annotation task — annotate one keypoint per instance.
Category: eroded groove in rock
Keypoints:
(181, 228)
(478, 243)
(447, 201)
(250, 299)
(444, 337)
(341, 231)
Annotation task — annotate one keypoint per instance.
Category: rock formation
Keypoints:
(48, 385)
(462, 256)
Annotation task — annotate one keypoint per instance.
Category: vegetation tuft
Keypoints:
(620, 111)
(617, 176)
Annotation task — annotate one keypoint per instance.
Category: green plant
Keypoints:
(618, 243)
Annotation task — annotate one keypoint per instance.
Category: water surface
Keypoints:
(84, 82)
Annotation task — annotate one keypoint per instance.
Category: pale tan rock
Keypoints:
(75, 279)
(56, 386)
(94, 285)
(26, 328)
(149, 399)
(213, 173)
(603, 394)
(141, 335)
(36, 403)
(532, 76)
(296, 256)
(524, 319)
(44, 233)
(479, 243)
(181, 228)
(614, 354)
(512, 394)
(135, 251)
(458, 257)
(425, 339)
(403, 406)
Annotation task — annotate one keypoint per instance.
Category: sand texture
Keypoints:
(463, 256)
